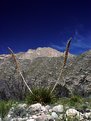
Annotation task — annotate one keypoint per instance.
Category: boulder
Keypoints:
(58, 108)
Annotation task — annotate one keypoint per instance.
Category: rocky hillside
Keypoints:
(78, 75)
(41, 67)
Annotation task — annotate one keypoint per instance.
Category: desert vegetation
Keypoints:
(45, 95)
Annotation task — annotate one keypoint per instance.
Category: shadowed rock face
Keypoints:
(44, 71)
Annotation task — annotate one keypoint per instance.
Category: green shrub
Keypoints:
(4, 108)
(72, 119)
(41, 95)
(75, 99)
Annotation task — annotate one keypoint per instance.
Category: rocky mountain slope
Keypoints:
(78, 75)
(41, 67)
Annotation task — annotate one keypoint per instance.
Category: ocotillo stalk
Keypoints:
(64, 63)
(18, 69)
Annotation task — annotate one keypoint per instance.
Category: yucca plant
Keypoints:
(40, 95)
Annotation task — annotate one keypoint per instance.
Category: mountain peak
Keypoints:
(38, 52)
(43, 52)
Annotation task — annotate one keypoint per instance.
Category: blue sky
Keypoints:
(80, 43)
(31, 24)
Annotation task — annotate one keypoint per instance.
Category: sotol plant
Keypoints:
(43, 95)
(64, 63)
(18, 69)
(40, 94)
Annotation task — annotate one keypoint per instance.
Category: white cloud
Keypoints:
(79, 43)
(61, 48)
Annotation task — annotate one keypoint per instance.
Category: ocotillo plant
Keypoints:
(64, 63)
(18, 69)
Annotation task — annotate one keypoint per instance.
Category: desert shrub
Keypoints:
(41, 95)
(73, 119)
(4, 108)
(75, 99)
